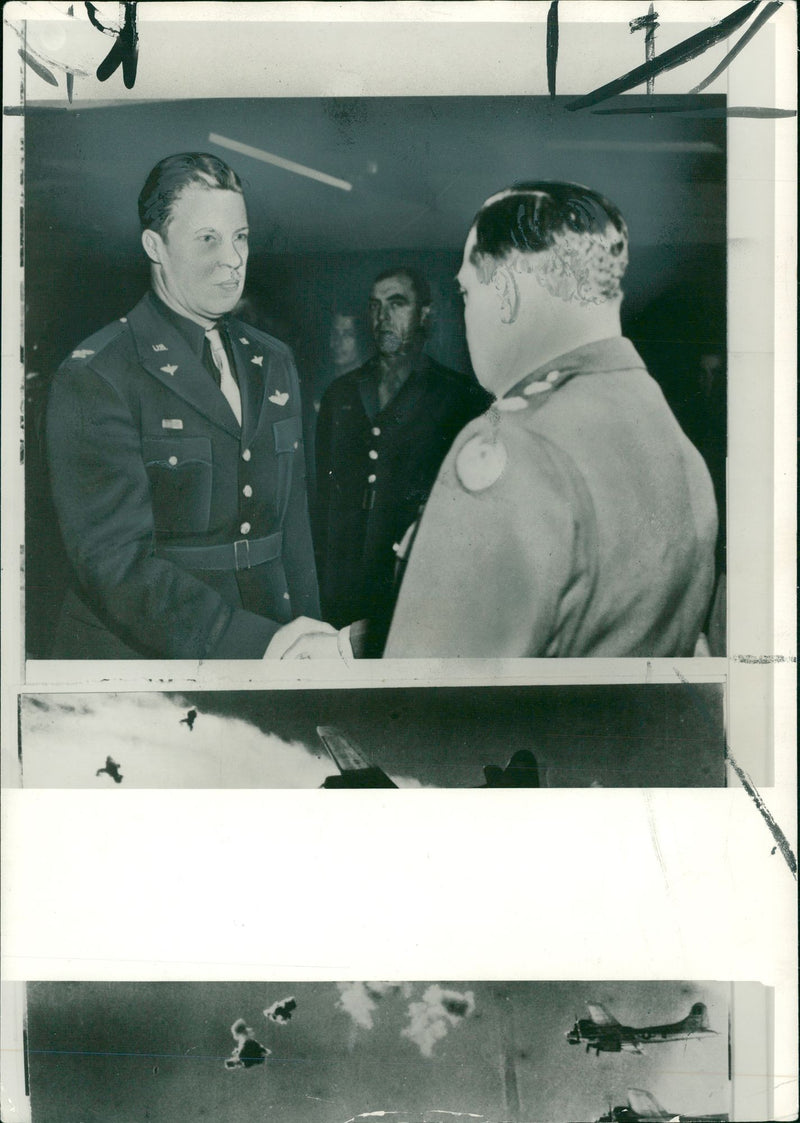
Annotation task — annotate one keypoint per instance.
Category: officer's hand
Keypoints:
(315, 645)
(289, 633)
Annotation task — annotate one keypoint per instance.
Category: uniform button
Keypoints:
(376, 431)
(285, 596)
(247, 490)
(173, 460)
(296, 444)
(246, 454)
(371, 479)
(245, 528)
(373, 454)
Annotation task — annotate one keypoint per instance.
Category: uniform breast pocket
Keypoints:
(288, 434)
(180, 472)
(288, 437)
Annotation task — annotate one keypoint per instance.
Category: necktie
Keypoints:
(227, 383)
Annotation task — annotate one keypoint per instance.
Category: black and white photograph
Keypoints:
(610, 736)
(404, 1052)
(422, 377)
(399, 396)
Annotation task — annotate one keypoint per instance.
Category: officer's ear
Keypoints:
(424, 313)
(153, 245)
(505, 284)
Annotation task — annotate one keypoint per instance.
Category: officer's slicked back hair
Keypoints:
(172, 175)
(540, 215)
(422, 290)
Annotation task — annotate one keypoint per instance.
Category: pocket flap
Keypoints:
(174, 450)
(287, 433)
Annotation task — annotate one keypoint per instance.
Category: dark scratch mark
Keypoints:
(683, 52)
(756, 25)
(38, 67)
(552, 47)
(651, 822)
(125, 51)
(91, 11)
(648, 23)
(781, 841)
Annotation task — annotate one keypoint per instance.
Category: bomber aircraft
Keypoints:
(643, 1107)
(605, 1034)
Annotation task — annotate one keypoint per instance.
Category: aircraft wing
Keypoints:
(356, 771)
(600, 1016)
(646, 1105)
(631, 1047)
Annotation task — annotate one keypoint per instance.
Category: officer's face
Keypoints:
(482, 318)
(201, 256)
(396, 316)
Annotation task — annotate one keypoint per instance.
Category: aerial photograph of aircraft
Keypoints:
(356, 771)
(643, 1107)
(603, 1033)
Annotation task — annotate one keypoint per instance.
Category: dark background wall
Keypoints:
(419, 169)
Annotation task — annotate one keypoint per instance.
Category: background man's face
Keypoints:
(396, 316)
(344, 341)
(203, 251)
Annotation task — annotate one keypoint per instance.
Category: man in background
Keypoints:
(574, 518)
(383, 431)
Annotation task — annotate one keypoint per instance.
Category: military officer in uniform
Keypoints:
(383, 431)
(574, 518)
(175, 451)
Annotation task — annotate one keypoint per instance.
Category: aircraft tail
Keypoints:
(697, 1018)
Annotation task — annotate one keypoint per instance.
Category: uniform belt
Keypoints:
(243, 554)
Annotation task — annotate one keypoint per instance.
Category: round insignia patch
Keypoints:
(480, 463)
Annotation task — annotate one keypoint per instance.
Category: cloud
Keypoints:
(432, 1017)
(360, 1000)
(66, 738)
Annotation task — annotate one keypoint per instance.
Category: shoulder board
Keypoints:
(98, 342)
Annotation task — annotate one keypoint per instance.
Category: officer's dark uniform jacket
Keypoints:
(375, 468)
(574, 518)
(188, 534)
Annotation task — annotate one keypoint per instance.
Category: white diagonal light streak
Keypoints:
(279, 161)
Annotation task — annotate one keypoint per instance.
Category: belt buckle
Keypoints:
(241, 557)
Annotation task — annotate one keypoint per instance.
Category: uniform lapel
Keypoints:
(406, 400)
(367, 382)
(166, 355)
